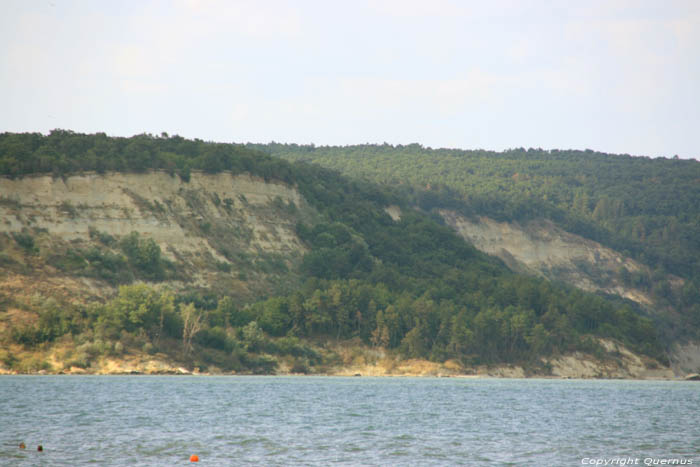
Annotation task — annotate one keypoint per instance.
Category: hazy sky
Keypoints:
(615, 76)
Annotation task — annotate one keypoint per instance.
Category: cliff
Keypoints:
(541, 248)
(229, 233)
(64, 238)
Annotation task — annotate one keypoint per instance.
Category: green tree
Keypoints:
(136, 307)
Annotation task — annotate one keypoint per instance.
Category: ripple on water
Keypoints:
(318, 421)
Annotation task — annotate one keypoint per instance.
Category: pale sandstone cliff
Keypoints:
(212, 220)
(620, 363)
(114, 204)
(541, 248)
(236, 220)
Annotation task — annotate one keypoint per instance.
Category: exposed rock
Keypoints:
(205, 226)
(119, 203)
(685, 358)
(207, 222)
(541, 248)
(618, 362)
(394, 212)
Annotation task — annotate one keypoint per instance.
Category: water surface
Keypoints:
(234, 420)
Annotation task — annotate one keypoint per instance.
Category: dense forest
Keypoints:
(410, 285)
(647, 209)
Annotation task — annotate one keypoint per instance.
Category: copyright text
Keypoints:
(635, 461)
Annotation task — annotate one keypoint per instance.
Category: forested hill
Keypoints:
(410, 284)
(646, 208)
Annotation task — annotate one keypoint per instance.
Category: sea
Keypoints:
(309, 420)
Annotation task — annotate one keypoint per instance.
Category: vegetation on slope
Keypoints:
(410, 285)
(648, 209)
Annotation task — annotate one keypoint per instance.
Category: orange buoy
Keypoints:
(194, 458)
(22, 445)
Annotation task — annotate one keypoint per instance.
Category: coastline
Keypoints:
(690, 378)
(351, 359)
(402, 369)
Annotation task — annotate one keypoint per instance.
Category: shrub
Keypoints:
(91, 349)
(300, 366)
(68, 208)
(214, 337)
(102, 237)
(31, 364)
(149, 348)
(26, 241)
(143, 255)
(291, 345)
(260, 364)
(7, 358)
(79, 360)
(107, 266)
(71, 261)
(253, 337)
(275, 319)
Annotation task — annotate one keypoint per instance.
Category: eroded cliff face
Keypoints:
(685, 358)
(226, 232)
(619, 363)
(235, 235)
(541, 248)
(351, 358)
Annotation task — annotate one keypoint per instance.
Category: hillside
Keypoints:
(205, 228)
(214, 256)
(541, 248)
(646, 208)
(616, 224)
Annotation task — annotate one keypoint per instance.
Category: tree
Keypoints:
(191, 325)
(539, 340)
(144, 254)
(253, 336)
(136, 307)
(275, 319)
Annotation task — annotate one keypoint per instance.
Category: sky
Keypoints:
(613, 76)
